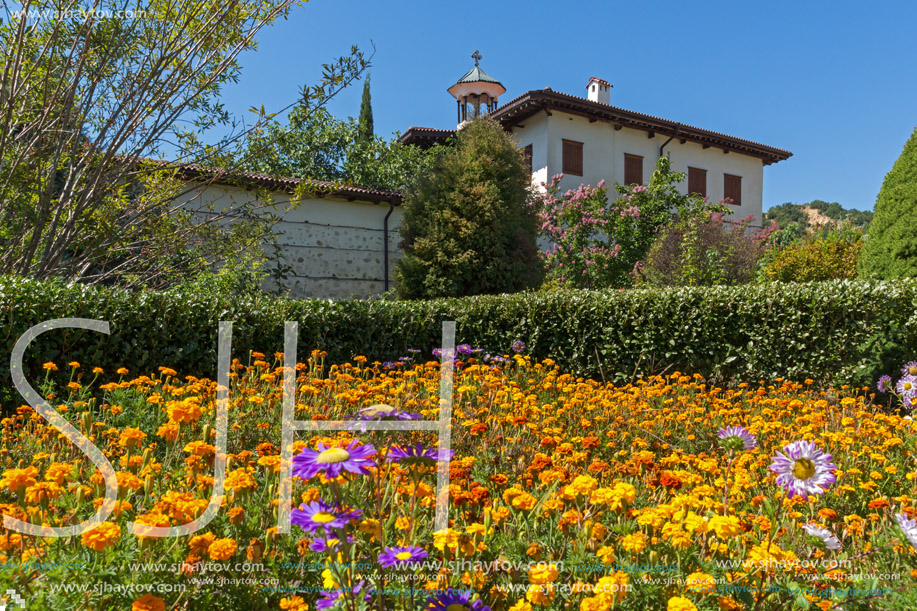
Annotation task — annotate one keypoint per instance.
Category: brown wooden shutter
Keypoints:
(732, 188)
(527, 157)
(633, 169)
(573, 158)
(697, 181)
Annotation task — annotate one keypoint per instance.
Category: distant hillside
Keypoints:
(803, 218)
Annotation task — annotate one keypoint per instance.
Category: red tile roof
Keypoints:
(538, 100)
(286, 183)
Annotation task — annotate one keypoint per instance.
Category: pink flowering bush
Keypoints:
(597, 243)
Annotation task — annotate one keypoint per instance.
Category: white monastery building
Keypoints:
(589, 140)
(342, 241)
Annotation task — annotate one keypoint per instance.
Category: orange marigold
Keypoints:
(222, 549)
(102, 536)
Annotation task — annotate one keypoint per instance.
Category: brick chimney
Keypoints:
(599, 90)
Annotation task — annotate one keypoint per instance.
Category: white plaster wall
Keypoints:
(603, 157)
(334, 246)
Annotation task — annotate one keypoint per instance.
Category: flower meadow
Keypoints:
(564, 493)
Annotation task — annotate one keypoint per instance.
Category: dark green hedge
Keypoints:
(836, 331)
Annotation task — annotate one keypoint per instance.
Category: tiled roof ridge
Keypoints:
(609, 107)
(222, 175)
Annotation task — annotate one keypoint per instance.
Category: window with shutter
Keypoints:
(633, 169)
(697, 181)
(527, 157)
(573, 158)
(732, 188)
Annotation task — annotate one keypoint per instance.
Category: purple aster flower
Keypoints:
(804, 469)
(416, 455)
(380, 411)
(401, 556)
(518, 346)
(464, 349)
(907, 385)
(332, 462)
(885, 384)
(455, 600)
(324, 545)
(319, 515)
(737, 438)
(908, 527)
(910, 369)
(437, 352)
(827, 537)
(329, 599)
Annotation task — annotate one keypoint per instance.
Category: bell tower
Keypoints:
(476, 93)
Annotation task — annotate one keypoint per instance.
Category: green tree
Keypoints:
(366, 114)
(469, 223)
(890, 249)
(89, 97)
(316, 145)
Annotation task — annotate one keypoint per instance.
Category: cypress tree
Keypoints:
(890, 249)
(366, 113)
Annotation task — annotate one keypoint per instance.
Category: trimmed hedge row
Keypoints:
(832, 332)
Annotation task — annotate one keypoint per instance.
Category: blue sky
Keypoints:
(835, 83)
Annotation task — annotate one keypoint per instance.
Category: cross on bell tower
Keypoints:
(476, 93)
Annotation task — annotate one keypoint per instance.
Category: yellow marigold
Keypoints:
(74, 364)
(131, 438)
(521, 605)
(183, 411)
(606, 554)
(222, 549)
(240, 479)
(695, 523)
(524, 501)
(148, 602)
(581, 485)
(543, 573)
(49, 366)
(42, 492)
(294, 603)
(200, 448)
(634, 543)
(59, 472)
(725, 526)
(122, 371)
(680, 603)
(168, 431)
(102, 536)
(200, 544)
(541, 594)
(18, 479)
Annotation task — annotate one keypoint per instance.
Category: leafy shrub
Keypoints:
(890, 250)
(469, 227)
(705, 250)
(827, 254)
(599, 244)
(839, 331)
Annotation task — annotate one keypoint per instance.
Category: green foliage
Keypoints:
(704, 249)
(599, 245)
(366, 113)
(890, 250)
(790, 218)
(827, 254)
(316, 145)
(469, 226)
(840, 332)
(89, 96)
